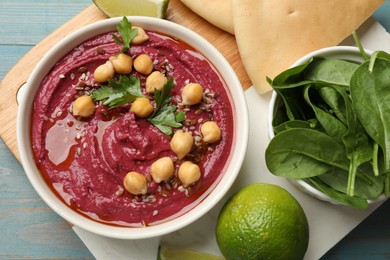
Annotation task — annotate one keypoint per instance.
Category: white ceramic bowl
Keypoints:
(337, 52)
(68, 43)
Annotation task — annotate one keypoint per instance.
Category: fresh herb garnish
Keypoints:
(126, 32)
(165, 117)
(119, 93)
(125, 90)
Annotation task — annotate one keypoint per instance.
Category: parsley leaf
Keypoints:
(127, 32)
(119, 93)
(164, 117)
(163, 97)
(165, 120)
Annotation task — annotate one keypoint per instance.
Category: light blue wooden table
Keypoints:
(29, 229)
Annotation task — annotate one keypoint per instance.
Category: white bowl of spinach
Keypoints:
(330, 125)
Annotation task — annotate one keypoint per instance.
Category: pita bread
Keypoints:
(272, 35)
(216, 12)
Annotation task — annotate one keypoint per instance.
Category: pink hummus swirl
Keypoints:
(85, 160)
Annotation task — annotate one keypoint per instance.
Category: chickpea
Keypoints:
(104, 72)
(141, 36)
(162, 169)
(188, 173)
(135, 183)
(192, 94)
(83, 106)
(143, 64)
(210, 132)
(181, 143)
(123, 63)
(156, 80)
(142, 107)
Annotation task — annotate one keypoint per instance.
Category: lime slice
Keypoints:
(166, 253)
(113, 8)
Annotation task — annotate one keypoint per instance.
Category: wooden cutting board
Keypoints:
(18, 75)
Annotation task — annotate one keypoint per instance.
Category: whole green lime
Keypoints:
(262, 221)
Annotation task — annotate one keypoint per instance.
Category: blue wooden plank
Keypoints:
(28, 228)
(382, 15)
(369, 240)
(10, 54)
(27, 22)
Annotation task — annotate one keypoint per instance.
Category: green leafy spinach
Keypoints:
(332, 127)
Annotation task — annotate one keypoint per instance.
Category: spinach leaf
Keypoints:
(302, 153)
(334, 100)
(310, 124)
(367, 185)
(288, 86)
(332, 71)
(358, 146)
(291, 77)
(370, 93)
(375, 55)
(354, 202)
(333, 127)
(294, 104)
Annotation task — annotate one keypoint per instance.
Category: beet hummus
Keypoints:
(85, 159)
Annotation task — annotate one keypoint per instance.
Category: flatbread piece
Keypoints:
(216, 12)
(272, 35)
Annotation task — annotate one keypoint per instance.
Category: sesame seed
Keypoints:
(120, 191)
(61, 76)
(155, 212)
